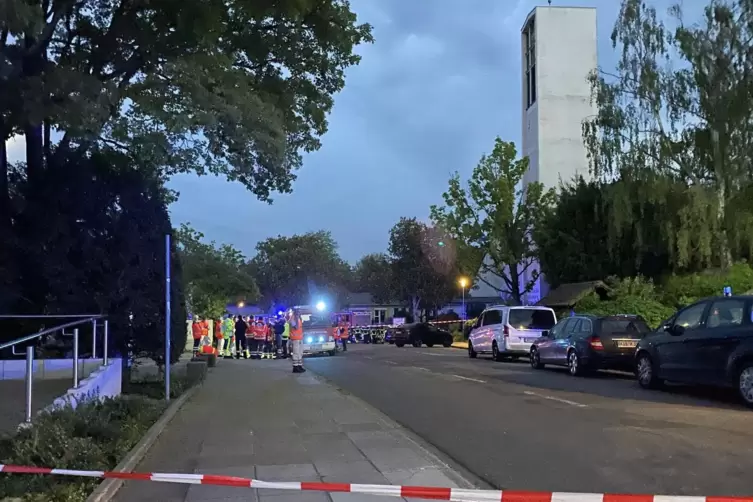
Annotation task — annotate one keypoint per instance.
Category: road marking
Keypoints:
(434, 354)
(469, 379)
(558, 399)
(368, 357)
(390, 362)
(422, 369)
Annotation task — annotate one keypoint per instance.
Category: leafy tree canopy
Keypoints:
(495, 216)
(296, 270)
(374, 274)
(213, 275)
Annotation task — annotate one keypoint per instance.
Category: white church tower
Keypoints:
(558, 47)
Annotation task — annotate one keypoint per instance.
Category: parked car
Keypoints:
(421, 333)
(707, 343)
(389, 336)
(586, 343)
(504, 331)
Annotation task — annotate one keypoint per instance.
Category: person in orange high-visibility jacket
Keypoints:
(259, 338)
(344, 333)
(196, 331)
(219, 336)
(296, 342)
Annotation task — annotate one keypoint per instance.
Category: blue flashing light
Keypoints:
(309, 339)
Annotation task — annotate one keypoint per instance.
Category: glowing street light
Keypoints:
(463, 284)
(241, 305)
(320, 306)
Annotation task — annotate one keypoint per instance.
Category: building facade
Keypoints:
(558, 48)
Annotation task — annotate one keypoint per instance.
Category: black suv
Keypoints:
(708, 343)
(421, 333)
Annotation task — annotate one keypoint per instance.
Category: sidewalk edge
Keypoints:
(107, 489)
(459, 473)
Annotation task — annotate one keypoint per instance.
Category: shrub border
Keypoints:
(108, 488)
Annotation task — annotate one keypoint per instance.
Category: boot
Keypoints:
(297, 369)
(302, 370)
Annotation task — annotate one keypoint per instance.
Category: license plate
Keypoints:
(314, 348)
(627, 344)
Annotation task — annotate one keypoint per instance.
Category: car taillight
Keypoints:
(596, 343)
(506, 330)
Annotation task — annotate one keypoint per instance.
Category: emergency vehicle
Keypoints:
(318, 336)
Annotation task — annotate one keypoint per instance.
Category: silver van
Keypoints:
(505, 331)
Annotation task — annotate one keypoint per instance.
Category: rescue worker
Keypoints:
(219, 336)
(253, 347)
(268, 341)
(279, 329)
(285, 336)
(228, 333)
(344, 334)
(241, 348)
(196, 331)
(260, 337)
(296, 342)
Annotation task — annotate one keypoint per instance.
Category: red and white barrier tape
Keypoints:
(420, 492)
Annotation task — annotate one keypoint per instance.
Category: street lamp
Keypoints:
(463, 284)
(241, 305)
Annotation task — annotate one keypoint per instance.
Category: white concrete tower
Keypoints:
(558, 45)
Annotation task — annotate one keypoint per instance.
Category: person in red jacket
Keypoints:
(260, 337)
(196, 331)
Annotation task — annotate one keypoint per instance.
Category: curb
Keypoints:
(109, 487)
(460, 345)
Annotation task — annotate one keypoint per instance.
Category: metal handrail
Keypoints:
(30, 349)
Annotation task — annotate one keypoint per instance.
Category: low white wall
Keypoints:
(47, 369)
(105, 382)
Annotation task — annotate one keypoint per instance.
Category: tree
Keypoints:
(496, 215)
(686, 125)
(570, 241)
(424, 266)
(213, 275)
(373, 274)
(90, 239)
(296, 270)
(233, 88)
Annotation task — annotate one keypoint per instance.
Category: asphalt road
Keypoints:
(524, 429)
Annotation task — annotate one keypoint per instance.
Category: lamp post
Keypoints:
(463, 283)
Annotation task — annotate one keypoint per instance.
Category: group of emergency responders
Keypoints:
(247, 337)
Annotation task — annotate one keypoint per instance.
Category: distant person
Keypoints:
(296, 342)
(241, 348)
(196, 331)
(278, 329)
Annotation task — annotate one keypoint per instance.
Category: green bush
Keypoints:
(94, 436)
(634, 295)
(685, 289)
(155, 387)
(457, 336)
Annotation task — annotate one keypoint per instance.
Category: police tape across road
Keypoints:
(418, 492)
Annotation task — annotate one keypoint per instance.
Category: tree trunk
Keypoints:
(514, 284)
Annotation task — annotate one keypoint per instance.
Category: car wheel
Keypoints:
(471, 351)
(399, 344)
(535, 359)
(496, 355)
(392, 342)
(333, 352)
(573, 363)
(646, 373)
(430, 344)
(745, 383)
(447, 343)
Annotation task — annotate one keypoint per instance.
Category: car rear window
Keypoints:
(634, 325)
(531, 318)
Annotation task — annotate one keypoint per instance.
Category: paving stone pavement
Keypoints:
(256, 419)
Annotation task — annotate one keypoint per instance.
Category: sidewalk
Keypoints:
(256, 419)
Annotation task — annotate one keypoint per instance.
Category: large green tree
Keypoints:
(300, 269)
(213, 275)
(230, 87)
(374, 274)
(676, 114)
(496, 216)
(424, 266)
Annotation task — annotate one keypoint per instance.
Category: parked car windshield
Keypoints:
(629, 325)
(531, 318)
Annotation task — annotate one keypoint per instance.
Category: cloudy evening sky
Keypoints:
(440, 82)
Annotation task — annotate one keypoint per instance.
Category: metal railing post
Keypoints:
(29, 380)
(94, 339)
(75, 358)
(105, 356)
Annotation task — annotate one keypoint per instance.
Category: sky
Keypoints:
(441, 81)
